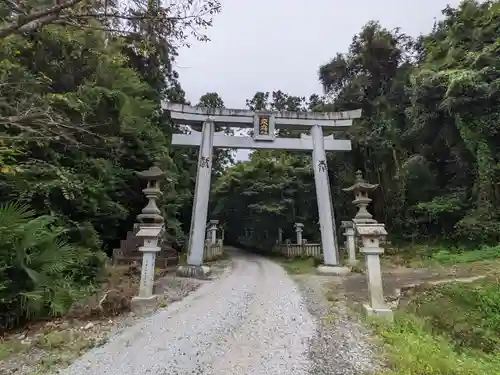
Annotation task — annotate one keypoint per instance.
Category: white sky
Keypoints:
(266, 45)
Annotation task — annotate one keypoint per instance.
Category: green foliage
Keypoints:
(428, 136)
(458, 82)
(447, 257)
(41, 273)
(272, 190)
(296, 266)
(450, 328)
(468, 313)
(412, 349)
(80, 114)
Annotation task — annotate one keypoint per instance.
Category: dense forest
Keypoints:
(427, 136)
(81, 85)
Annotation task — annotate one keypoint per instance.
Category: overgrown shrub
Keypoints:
(413, 350)
(446, 256)
(41, 274)
(467, 313)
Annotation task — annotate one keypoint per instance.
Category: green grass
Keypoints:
(413, 350)
(467, 313)
(439, 256)
(297, 266)
(447, 257)
(451, 329)
(7, 348)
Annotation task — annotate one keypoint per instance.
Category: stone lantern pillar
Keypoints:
(298, 232)
(212, 228)
(371, 234)
(361, 188)
(151, 229)
(280, 236)
(349, 233)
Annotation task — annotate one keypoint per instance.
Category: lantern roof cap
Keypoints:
(360, 184)
(153, 173)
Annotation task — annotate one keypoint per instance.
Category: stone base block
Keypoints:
(384, 313)
(333, 270)
(141, 305)
(195, 272)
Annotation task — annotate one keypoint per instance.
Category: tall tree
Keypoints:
(172, 21)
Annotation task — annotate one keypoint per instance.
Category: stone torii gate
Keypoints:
(264, 125)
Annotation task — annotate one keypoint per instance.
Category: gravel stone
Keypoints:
(341, 345)
(250, 321)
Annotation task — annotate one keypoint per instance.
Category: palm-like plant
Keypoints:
(38, 267)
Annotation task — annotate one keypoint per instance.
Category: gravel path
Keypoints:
(251, 321)
(341, 345)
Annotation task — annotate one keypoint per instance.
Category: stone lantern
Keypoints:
(371, 234)
(299, 227)
(151, 229)
(361, 188)
(349, 233)
(212, 229)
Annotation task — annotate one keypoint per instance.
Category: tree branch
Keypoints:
(168, 20)
(35, 19)
(15, 7)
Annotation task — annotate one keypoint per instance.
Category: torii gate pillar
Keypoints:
(325, 208)
(201, 195)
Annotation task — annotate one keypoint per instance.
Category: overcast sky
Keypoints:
(266, 45)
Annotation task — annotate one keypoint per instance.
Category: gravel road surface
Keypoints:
(251, 321)
(341, 345)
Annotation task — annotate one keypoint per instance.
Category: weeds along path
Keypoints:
(251, 321)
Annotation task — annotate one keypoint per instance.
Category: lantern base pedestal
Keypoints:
(142, 305)
(333, 270)
(383, 313)
(194, 272)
